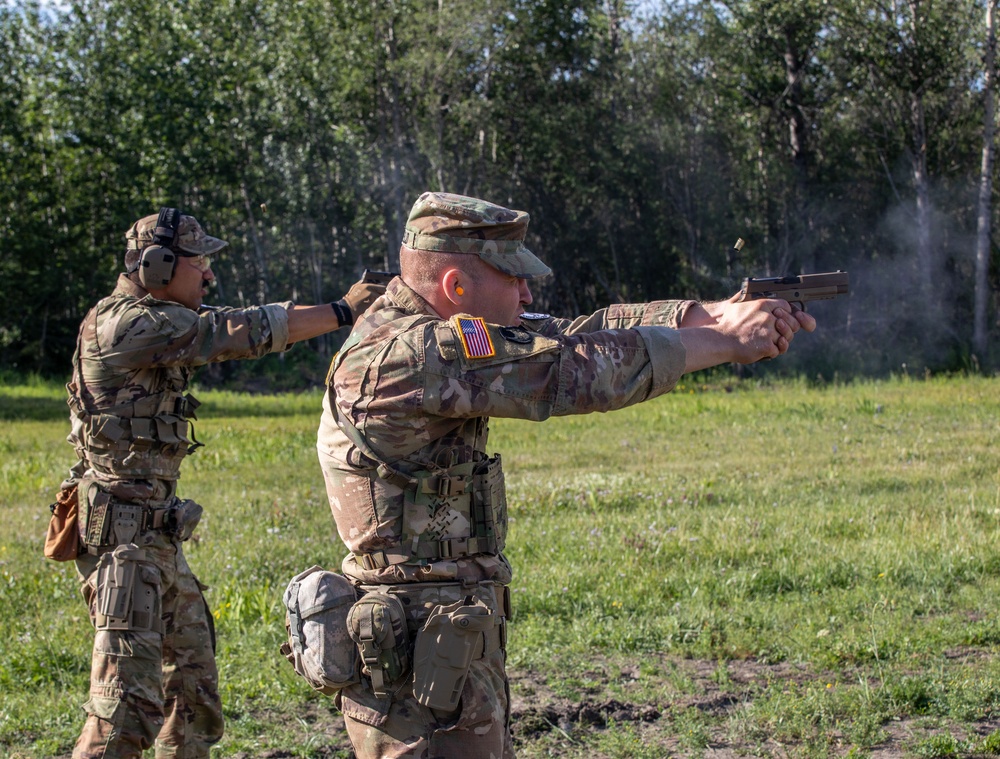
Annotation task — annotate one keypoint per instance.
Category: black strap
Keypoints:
(166, 226)
(344, 316)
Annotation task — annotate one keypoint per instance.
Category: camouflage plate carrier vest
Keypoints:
(142, 439)
(449, 510)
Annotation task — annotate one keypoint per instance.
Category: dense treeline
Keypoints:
(643, 139)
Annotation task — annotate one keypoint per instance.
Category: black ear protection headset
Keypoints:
(157, 261)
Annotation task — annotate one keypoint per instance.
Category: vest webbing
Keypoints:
(444, 485)
(157, 418)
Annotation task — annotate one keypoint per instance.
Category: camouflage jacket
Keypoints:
(406, 412)
(134, 359)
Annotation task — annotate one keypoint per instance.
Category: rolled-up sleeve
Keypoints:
(403, 386)
(277, 319)
(568, 374)
(667, 356)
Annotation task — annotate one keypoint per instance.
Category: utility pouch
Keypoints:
(62, 539)
(319, 647)
(377, 625)
(184, 518)
(445, 648)
(489, 503)
(127, 593)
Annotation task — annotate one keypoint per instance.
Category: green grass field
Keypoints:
(766, 569)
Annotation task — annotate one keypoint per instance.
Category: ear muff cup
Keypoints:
(156, 266)
(157, 261)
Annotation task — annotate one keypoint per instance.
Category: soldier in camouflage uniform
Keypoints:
(154, 675)
(417, 499)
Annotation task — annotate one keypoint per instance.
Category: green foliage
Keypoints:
(991, 743)
(643, 138)
(942, 745)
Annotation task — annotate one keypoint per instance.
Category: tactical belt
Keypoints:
(99, 536)
(446, 548)
(154, 519)
(420, 598)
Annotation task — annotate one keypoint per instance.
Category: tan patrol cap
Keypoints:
(441, 221)
(190, 238)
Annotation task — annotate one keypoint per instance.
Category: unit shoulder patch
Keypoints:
(516, 335)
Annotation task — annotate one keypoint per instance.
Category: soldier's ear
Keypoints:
(452, 283)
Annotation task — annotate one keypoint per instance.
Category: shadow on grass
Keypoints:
(20, 408)
(28, 409)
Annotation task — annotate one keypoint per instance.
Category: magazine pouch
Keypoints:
(377, 624)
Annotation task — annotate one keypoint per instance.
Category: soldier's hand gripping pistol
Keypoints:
(796, 289)
(361, 295)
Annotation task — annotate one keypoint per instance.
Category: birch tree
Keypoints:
(984, 211)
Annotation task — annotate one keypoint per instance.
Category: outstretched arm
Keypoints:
(305, 322)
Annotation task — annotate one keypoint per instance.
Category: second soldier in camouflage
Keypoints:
(153, 672)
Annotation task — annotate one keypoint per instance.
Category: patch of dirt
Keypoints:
(560, 723)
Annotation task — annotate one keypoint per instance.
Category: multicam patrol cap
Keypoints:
(190, 239)
(441, 221)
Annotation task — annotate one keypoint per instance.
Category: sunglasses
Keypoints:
(202, 263)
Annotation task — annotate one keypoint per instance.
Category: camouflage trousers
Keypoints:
(154, 686)
(401, 728)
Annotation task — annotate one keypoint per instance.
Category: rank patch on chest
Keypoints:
(475, 337)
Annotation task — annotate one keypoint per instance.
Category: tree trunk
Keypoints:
(258, 249)
(921, 186)
(921, 178)
(985, 210)
(392, 138)
(798, 137)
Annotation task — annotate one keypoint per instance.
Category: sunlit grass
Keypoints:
(851, 530)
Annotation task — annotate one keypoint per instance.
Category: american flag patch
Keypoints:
(475, 338)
